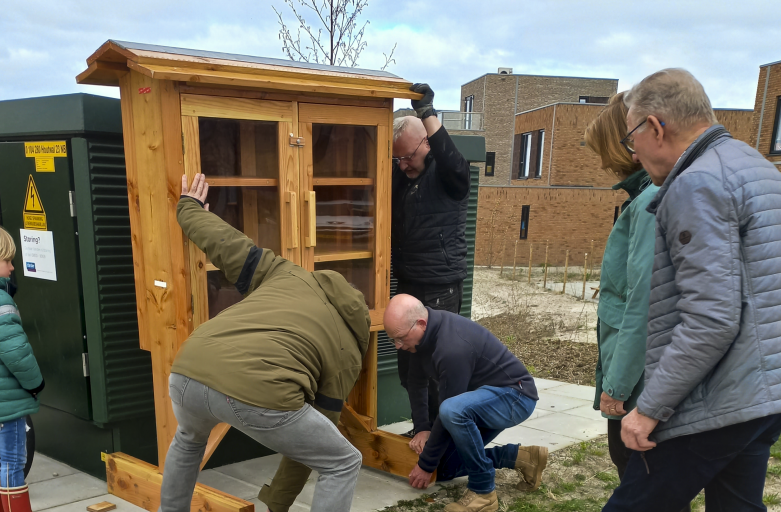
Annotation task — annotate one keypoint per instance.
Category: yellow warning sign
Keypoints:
(45, 153)
(34, 214)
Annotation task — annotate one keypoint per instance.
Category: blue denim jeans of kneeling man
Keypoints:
(473, 420)
(13, 452)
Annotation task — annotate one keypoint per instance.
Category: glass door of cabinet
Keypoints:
(345, 183)
(242, 146)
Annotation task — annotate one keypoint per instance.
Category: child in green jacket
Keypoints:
(20, 383)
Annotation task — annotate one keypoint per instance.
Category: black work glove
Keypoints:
(424, 107)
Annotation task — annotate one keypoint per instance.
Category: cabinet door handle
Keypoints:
(291, 198)
(311, 240)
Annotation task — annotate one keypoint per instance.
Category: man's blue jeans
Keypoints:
(473, 419)
(730, 463)
(13, 452)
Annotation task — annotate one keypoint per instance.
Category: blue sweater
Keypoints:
(461, 356)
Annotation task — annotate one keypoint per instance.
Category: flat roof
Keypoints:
(541, 76)
(770, 64)
(561, 103)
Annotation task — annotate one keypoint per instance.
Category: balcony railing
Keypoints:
(453, 120)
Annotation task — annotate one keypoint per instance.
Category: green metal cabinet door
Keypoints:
(51, 310)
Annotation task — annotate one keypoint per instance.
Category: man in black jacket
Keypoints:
(430, 197)
(483, 389)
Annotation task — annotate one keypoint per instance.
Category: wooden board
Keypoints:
(139, 483)
(103, 506)
(363, 397)
(383, 450)
(342, 256)
(236, 108)
(239, 181)
(233, 92)
(332, 182)
(337, 114)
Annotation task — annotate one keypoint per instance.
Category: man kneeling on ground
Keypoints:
(483, 389)
(277, 366)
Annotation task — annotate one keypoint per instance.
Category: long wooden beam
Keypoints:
(139, 483)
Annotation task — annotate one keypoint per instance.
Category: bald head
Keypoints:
(410, 145)
(405, 320)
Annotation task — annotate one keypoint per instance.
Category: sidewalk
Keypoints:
(563, 417)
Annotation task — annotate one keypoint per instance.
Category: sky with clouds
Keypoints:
(44, 43)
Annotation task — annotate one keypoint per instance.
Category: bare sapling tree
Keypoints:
(336, 38)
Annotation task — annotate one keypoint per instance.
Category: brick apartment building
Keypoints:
(541, 185)
(766, 122)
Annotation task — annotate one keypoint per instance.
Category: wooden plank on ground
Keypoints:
(383, 450)
(139, 483)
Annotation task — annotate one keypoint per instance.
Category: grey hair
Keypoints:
(673, 95)
(400, 125)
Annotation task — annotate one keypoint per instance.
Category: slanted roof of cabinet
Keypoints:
(115, 58)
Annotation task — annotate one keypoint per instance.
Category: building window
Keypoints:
(524, 221)
(490, 161)
(524, 162)
(775, 144)
(539, 146)
(583, 99)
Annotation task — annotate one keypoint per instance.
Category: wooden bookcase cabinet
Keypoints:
(296, 158)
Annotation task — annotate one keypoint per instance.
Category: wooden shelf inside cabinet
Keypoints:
(230, 181)
(326, 182)
(342, 256)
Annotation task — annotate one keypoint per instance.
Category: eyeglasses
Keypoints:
(397, 161)
(400, 340)
(628, 143)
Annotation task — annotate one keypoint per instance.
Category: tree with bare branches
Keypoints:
(338, 41)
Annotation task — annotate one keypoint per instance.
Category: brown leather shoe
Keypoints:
(473, 502)
(530, 463)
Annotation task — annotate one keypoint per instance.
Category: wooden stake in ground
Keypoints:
(585, 264)
(504, 244)
(103, 506)
(591, 261)
(545, 268)
(566, 265)
(530, 263)
(515, 256)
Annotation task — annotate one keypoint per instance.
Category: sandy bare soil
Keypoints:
(575, 319)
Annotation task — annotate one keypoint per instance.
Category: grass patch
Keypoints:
(771, 499)
(774, 471)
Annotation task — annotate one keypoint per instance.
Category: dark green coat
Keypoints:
(297, 337)
(624, 289)
(20, 377)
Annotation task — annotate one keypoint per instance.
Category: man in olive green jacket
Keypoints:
(277, 366)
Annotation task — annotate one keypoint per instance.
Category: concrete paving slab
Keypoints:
(66, 490)
(587, 411)
(261, 507)
(558, 403)
(397, 428)
(542, 384)
(530, 436)
(229, 484)
(255, 471)
(568, 425)
(46, 468)
(81, 506)
(574, 391)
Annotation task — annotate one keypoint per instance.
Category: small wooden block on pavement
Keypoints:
(104, 506)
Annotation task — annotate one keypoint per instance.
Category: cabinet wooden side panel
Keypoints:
(160, 282)
(383, 218)
(197, 259)
(136, 240)
(363, 397)
(139, 483)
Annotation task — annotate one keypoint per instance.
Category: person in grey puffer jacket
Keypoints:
(711, 407)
